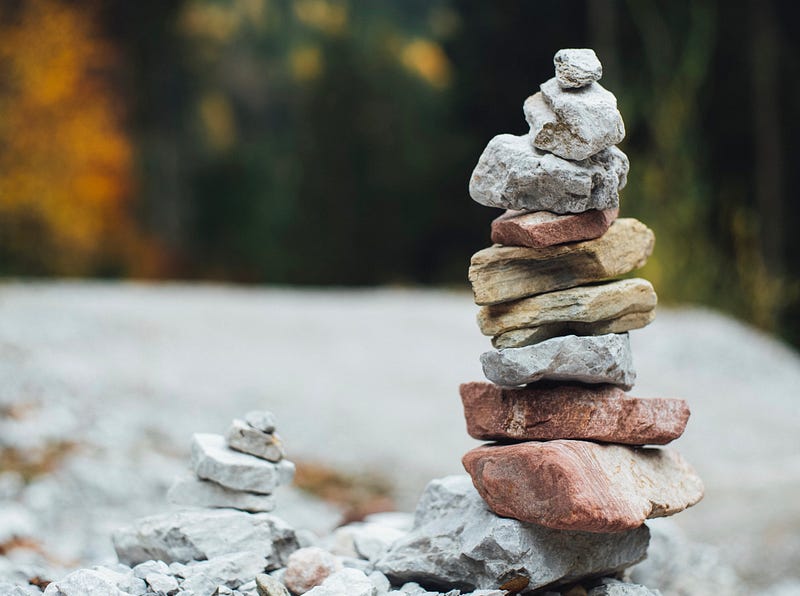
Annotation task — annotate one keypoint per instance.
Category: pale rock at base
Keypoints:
(230, 570)
(457, 543)
(613, 587)
(505, 273)
(243, 437)
(190, 491)
(196, 535)
(511, 174)
(84, 582)
(269, 586)
(561, 309)
(573, 124)
(347, 582)
(585, 359)
(308, 568)
(213, 460)
(577, 67)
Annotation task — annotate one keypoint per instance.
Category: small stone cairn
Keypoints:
(239, 471)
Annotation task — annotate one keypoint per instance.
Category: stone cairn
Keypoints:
(240, 470)
(568, 452)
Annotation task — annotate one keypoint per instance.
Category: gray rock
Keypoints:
(614, 587)
(197, 535)
(7, 589)
(574, 124)
(457, 543)
(269, 586)
(513, 175)
(243, 437)
(230, 570)
(142, 570)
(380, 581)
(679, 567)
(577, 68)
(84, 582)
(586, 359)
(347, 582)
(366, 540)
(399, 520)
(213, 460)
(161, 583)
(190, 491)
(261, 420)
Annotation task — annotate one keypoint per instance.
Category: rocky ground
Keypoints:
(103, 385)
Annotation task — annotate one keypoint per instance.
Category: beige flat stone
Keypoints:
(504, 273)
(519, 338)
(582, 304)
(583, 486)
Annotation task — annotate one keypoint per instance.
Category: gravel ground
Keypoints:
(361, 380)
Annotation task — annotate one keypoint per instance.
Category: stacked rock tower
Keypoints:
(568, 449)
(238, 471)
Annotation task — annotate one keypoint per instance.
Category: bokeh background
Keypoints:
(325, 142)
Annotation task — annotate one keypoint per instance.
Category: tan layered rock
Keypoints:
(581, 306)
(544, 411)
(582, 486)
(504, 273)
(543, 228)
(519, 338)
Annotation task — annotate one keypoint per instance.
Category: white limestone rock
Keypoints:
(161, 583)
(190, 491)
(85, 582)
(213, 460)
(261, 420)
(585, 359)
(574, 124)
(197, 535)
(347, 582)
(614, 587)
(577, 68)
(511, 174)
(230, 570)
(457, 543)
(247, 439)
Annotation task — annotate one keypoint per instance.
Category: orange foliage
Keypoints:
(65, 161)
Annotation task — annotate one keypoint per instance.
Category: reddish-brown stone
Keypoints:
(582, 486)
(543, 412)
(541, 228)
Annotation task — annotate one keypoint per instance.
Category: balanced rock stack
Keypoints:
(238, 471)
(568, 454)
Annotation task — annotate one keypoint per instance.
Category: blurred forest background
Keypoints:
(331, 141)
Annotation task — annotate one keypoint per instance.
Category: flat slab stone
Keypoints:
(548, 411)
(505, 273)
(213, 460)
(541, 228)
(577, 67)
(457, 543)
(561, 309)
(248, 439)
(578, 485)
(590, 359)
(511, 174)
(573, 123)
(197, 535)
(194, 492)
(519, 338)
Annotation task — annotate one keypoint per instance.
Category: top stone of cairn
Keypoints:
(577, 68)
